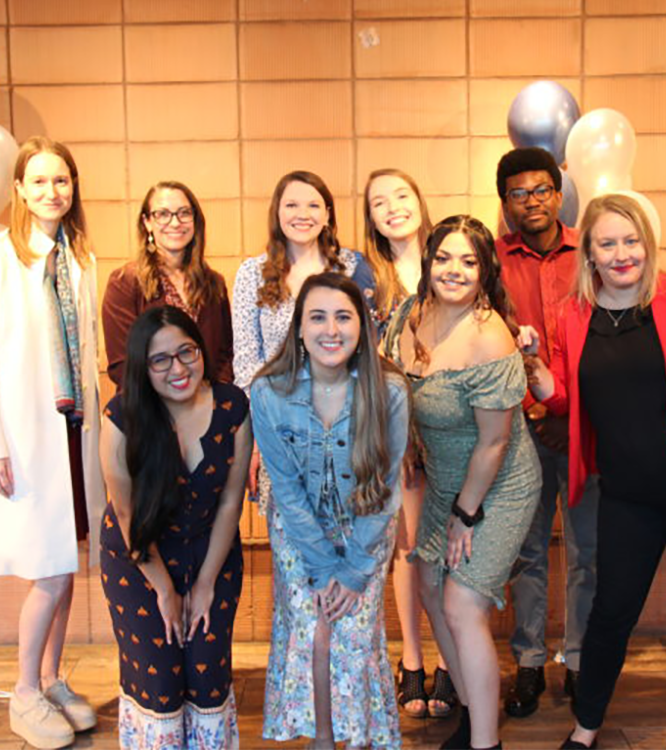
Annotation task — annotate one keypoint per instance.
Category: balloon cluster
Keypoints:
(595, 152)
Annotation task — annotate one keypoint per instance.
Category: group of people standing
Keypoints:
(424, 403)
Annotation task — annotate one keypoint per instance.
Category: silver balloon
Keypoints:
(542, 114)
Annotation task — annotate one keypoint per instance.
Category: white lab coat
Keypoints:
(37, 527)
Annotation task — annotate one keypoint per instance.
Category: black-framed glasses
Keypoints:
(186, 355)
(541, 192)
(163, 216)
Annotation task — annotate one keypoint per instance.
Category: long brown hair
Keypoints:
(492, 294)
(276, 268)
(378, 251)
(587, 280)
(370, 458)
(201, 284)
(73, 222)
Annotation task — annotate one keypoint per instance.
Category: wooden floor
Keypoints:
(637, 718)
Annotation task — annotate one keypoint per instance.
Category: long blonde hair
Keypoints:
(371, 461)
(73, 222)
(378, 251)
(587, 281)
(201, 284)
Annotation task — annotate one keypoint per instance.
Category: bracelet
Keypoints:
(465, 517)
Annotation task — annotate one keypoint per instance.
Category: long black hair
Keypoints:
(152, 451)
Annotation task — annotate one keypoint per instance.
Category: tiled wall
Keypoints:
(228, 95)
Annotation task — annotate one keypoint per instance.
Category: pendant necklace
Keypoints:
(616, 321)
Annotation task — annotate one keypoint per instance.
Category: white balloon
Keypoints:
(8, 152)
(600, 153)
(650, 211)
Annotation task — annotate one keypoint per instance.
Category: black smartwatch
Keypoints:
(465, 517)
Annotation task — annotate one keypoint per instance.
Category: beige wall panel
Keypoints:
(101, 169)
(516, 47)
(209, 169)
(294, 10)
(488, 209)
(155, 11)
(419, 108)
(3, 56)
(490, 100)
(625, 45)
(485, 154)
(151, 52)
(439, 207)
(659, 200)
(411, 9)
(524, 8)
(265, 162)
(641, 98)
(284, 51)
(109, 227)
(182, 111)
(223, 227)
(623, 7)
(649, 173)
(296, 110)
(5, 109)
(227, 267)
(400, 49)
(439, 165)
(60, 12)
(68, 54)
(344, 214)
(3, 13)
(69, 113)
(255, 225)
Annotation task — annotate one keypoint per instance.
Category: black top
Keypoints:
(623, 389)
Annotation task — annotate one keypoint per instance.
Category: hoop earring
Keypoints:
(150, 243)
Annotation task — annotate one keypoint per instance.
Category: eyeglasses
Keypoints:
(186, 355)
(541, 192)
(162, 216)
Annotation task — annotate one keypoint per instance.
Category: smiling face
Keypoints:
(454, 274)
(533, 216)
(302, 213)
(171, 234)
(47, 190)
(180, 382)
(617, 252)
(330, 329)
(394, 208)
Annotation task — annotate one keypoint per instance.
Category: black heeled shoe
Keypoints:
(443, 692)
(570, 744)
(411, 687)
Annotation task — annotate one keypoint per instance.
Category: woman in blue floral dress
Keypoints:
(331, 422)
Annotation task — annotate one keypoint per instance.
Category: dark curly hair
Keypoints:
(532, 159)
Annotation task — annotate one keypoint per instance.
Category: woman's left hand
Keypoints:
(459, 538)
(340, 602)
(197, 607)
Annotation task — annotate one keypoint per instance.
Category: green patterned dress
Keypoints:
(444, 404)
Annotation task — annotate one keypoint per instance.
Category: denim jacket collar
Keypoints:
(302, 393)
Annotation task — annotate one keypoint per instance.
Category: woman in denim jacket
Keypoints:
(331, 422)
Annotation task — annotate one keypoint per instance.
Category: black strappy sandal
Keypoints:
(443, 691)
(411, 687)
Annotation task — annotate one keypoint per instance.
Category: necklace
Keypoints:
(616, 321)
(328, 389)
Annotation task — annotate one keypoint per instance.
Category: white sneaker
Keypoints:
(39, 722)
(75, 707)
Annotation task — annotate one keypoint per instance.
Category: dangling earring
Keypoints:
(591, 265)
(302, 350)
(150, 245)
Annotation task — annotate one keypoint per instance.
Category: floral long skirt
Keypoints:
(363, 703)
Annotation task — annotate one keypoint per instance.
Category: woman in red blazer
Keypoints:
(609, 373)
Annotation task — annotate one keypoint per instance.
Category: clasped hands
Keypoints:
(335, 601)
(183, 614)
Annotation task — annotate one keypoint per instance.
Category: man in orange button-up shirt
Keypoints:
(538, 263)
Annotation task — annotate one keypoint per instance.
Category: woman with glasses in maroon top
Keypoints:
(169, 269)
